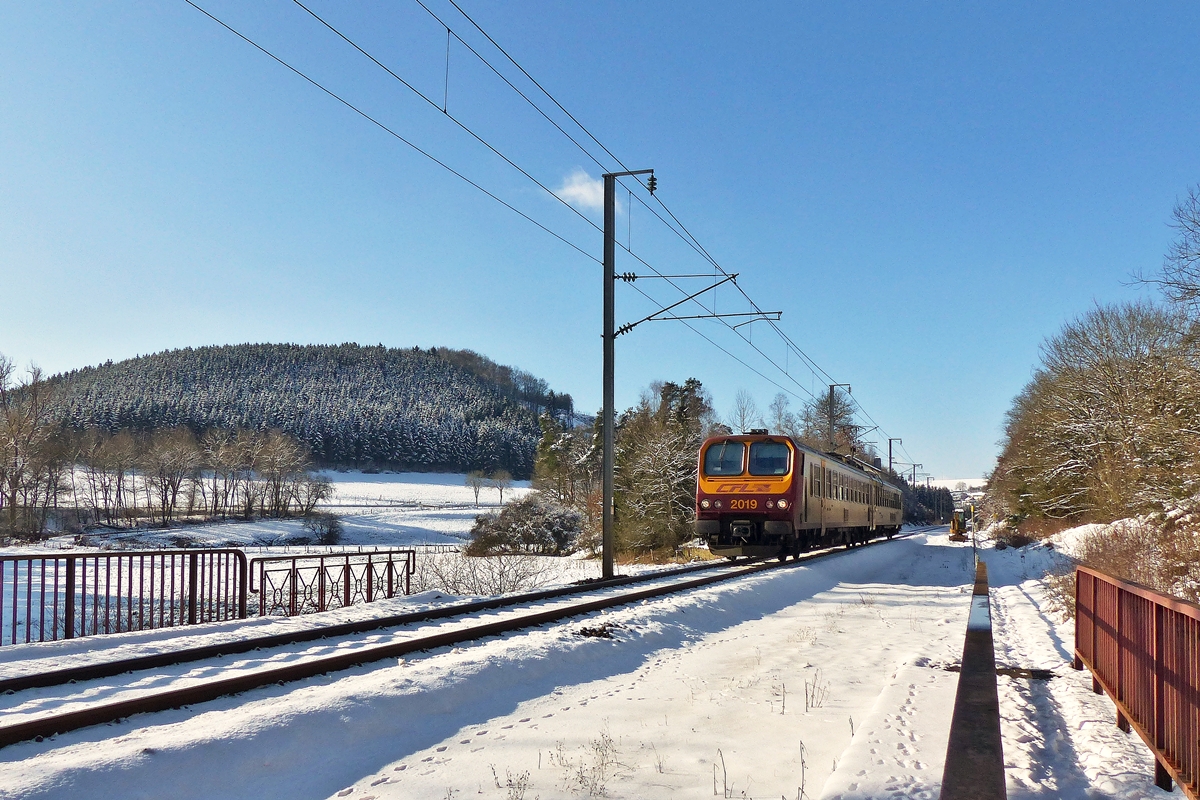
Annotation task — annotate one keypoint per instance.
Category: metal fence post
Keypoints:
(1162, 778)
(69, 609)
(370, 580)
(243, 577)
(193, 575)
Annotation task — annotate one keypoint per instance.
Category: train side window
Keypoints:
(724, 458)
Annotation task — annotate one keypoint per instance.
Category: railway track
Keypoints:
(339, 647)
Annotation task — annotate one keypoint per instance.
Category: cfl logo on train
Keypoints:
(743, 488)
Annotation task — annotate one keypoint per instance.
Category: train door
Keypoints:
(870, 506)
(800, 514)
(823, 485)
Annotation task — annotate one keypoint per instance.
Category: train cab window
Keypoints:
(724, 458)
(769, 458)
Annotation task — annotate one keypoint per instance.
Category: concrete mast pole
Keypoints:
(610, 252)
(610, 336)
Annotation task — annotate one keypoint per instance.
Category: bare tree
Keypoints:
(475, 480)
(744, 414)
(781, 419)
(313, 489)
(170, 461)
(1109, 424)
(30, 475)
(1179, 278)
(500, 480)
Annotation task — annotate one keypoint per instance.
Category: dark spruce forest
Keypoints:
(352, 406)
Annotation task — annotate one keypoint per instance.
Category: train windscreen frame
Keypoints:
(769, 458)
(724, 458)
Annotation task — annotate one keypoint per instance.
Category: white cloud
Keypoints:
(582, 190)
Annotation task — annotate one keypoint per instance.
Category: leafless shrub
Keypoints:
(1009, 536)
(598, 763)
(1161, 554)
(1058, 587)
(816, 692)
(516, 786)
(326, 526)
(458, 574)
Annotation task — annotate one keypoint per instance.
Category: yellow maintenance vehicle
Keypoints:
(958, 527)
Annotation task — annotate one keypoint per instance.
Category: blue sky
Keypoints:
(926, 191)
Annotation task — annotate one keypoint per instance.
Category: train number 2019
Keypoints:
(741, 505)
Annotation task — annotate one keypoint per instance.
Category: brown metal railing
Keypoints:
(1143, 650)
(294, 585)
(45, 597)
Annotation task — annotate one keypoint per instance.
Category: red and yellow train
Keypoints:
(764, 495)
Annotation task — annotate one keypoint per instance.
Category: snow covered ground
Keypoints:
(827, 680)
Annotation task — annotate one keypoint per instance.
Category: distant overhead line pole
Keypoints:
(890, 440)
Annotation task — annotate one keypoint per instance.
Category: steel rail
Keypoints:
(211, 690)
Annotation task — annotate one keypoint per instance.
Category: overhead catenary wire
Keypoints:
(388, 130)
(448, 115)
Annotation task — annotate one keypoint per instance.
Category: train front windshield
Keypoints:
(724, 458)
(769, 458)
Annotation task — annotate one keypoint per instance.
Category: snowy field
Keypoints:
(823, 681)
(382, 510)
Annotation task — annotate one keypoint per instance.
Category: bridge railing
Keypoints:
(1143, 650)
(294, 585)
(49, 596)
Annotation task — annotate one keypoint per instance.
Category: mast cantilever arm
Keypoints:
(631, 325)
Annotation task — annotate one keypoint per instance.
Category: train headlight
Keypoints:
(783, 503)
(704, 503)
(716, 503)
(770, 504)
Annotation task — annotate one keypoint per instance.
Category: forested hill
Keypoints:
(356, 406)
